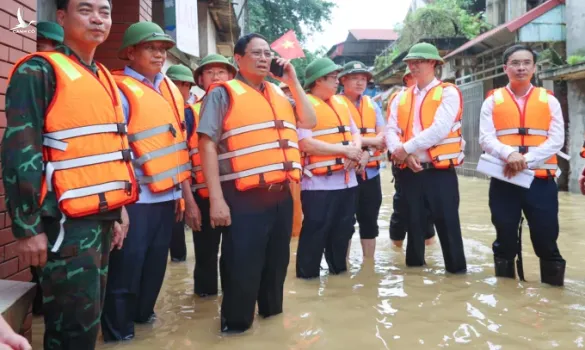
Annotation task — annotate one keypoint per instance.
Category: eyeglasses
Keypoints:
(214, 73)
(259, 54)
(517, 64)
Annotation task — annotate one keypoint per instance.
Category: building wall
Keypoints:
(12, 47)
(575, 15)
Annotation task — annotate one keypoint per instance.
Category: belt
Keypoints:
(279, 187)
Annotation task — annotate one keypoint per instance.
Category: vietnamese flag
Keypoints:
(288, 46)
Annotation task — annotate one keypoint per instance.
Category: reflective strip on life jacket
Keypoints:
(450, 140)
(193, 151)
(260, 170)
(161, 152)
(152, 132)
(278, 124)
(84, 192)
(522, 131)
(263, 147)
(336, 161)
(174, 173)
(339, 129)
(53, 139)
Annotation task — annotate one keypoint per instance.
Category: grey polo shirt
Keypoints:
(214, 108)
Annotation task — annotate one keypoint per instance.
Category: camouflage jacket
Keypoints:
(28, 96)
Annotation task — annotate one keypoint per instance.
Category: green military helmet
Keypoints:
(424, 51)
(319, 68)
(213, 59)
(355, 67)
(51, 31)
(180, 72)
(143, 32)
(406, 73)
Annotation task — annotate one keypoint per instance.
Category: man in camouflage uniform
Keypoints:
(49, 35)
(73, 279)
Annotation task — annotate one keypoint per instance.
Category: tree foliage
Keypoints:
(440, 19)
(273, 18)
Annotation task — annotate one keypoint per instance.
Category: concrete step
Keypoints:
(15, 300)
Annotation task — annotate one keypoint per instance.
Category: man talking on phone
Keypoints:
(249, 151)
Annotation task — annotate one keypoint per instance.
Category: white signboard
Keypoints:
(187, 26)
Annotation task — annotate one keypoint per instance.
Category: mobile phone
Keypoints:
(276, 69)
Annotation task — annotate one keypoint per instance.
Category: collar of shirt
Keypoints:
(242, 79)
(134, 74)
(359, 99)
(67, 51)
(519, 97)
(426, 89)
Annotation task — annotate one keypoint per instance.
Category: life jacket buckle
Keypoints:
(338, 161)
(523, 149)
(341, 128)
(283, 143)
(183, 125)
(103, 205)
(523, 131)
(287, 166)
(363, 131)
(279, 124)
(345, 143)
(128, 188)
(126, 155)
(122, 129)
(173, 131)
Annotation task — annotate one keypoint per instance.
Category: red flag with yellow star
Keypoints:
(288, 46)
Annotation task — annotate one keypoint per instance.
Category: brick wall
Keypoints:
(12, 47)
(125, 13)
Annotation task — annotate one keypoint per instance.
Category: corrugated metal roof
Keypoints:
(374, 34)
(510, 27)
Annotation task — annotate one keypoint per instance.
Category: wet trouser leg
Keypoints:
(397, 220)
(255, 253)
(369, 200)
(206, 244)
(437, 190)
(328, 222)
(178, 246)
(540, 206)
(138, 269)
(73, 283)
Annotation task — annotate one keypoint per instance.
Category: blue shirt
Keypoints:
(146, 196)
(380, 122)
(189, 121)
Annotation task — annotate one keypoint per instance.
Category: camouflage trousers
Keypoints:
(74, 283)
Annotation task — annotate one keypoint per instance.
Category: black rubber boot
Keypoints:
(504, 267)
(552, 272)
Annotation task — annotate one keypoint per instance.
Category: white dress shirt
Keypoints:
(422, 140)
(491, 145)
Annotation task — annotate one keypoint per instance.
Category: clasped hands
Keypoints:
(399, 157)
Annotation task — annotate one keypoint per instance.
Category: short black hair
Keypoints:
(242, 43)
(513, 49)
(62, 4)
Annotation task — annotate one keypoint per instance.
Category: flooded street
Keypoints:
(384, 305)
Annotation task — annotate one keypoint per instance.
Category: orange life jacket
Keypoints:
(365, 120)
(389, 104)
(86, 154)
(448, 152)
(333, 126)
(156, 127)
(524, 130)
(198, 179)
(260, 136)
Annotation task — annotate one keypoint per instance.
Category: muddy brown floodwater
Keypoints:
(385, 305)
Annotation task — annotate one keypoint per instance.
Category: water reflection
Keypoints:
(385, 305)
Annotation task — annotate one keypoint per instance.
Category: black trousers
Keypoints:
(438, 191)
(206, 244)
(255, 253)
(137, 271)
(397, 221)
(178, 246)
(328, 222)
(540, 205)
(369, 200)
